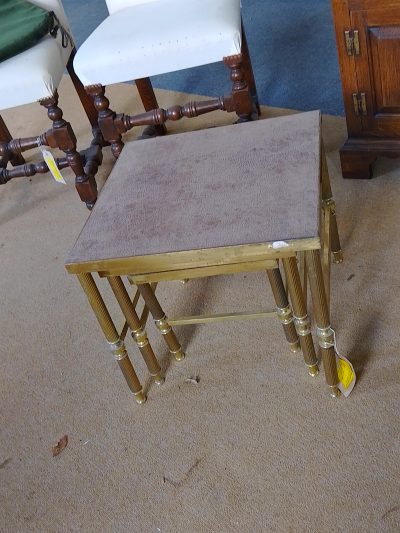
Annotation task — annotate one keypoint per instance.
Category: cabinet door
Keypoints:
(378, 68)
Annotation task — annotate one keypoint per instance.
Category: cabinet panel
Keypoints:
(378, 69)
(385, 66)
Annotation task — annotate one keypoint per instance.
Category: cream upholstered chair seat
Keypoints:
(35, 73)
(157, 36)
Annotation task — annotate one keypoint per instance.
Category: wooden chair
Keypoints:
(245, 206)
(143, 38)
(34, 75)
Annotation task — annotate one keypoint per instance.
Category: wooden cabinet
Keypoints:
(368, 41)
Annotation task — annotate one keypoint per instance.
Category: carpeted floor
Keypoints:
(292, 45)
(256, 445)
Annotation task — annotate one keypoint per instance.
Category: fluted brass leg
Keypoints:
(328, 201)
(161, 321)
(283, 308)
(303, 274)
(324, 330)
(138, 332)
(117, 347)
(301, 319)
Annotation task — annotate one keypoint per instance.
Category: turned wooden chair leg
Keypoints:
(5, 136)
(161, 320)
(116, 345)
(138, 332)
(106, 118)
(64, 138)
(301, 318)
(283, 308)
(248, 72)
(242, 101)
(86, 100)
(149, 101)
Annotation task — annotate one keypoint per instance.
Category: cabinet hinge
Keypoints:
(352, 42)
(360, 104)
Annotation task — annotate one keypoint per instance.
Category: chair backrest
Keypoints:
(56, 6)
(116, 5)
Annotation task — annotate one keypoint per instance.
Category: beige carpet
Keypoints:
(256, 445)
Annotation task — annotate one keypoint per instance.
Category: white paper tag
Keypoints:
(279, 244)
(52, 165)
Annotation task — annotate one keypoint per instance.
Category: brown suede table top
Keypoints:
(242, 184)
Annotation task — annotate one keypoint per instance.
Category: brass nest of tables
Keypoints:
(241, 198)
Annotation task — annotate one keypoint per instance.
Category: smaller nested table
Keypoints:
(214, 202)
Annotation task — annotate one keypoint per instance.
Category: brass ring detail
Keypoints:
(326, 337)
(140, 337)
(285, 314)
(162, 325)
(303, 325)
(118, 349)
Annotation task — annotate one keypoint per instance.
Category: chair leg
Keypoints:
(5, 136)
(64, 138)
(117, 347)
(149, 100)
(106, 118)
(161, 320)
(242, 101)
(85, 99)
(324, 330)
(283, 309)
(138, 332)
(301, 318)
(248, 72)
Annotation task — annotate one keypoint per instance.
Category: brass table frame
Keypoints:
(146, 271)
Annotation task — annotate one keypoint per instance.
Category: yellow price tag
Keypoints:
(52, 165)
(345, 372)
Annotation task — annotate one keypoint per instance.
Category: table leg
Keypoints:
(283, 308)
(324, 330)
(117, 347)
(161, 320)
(138, 332)
(301, 318)
(327, 200)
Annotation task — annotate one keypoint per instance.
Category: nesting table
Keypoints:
(241, 198)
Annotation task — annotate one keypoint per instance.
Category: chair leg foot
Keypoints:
(150, 132)
(338, 256)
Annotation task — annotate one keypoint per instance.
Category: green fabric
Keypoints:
(22, 25)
